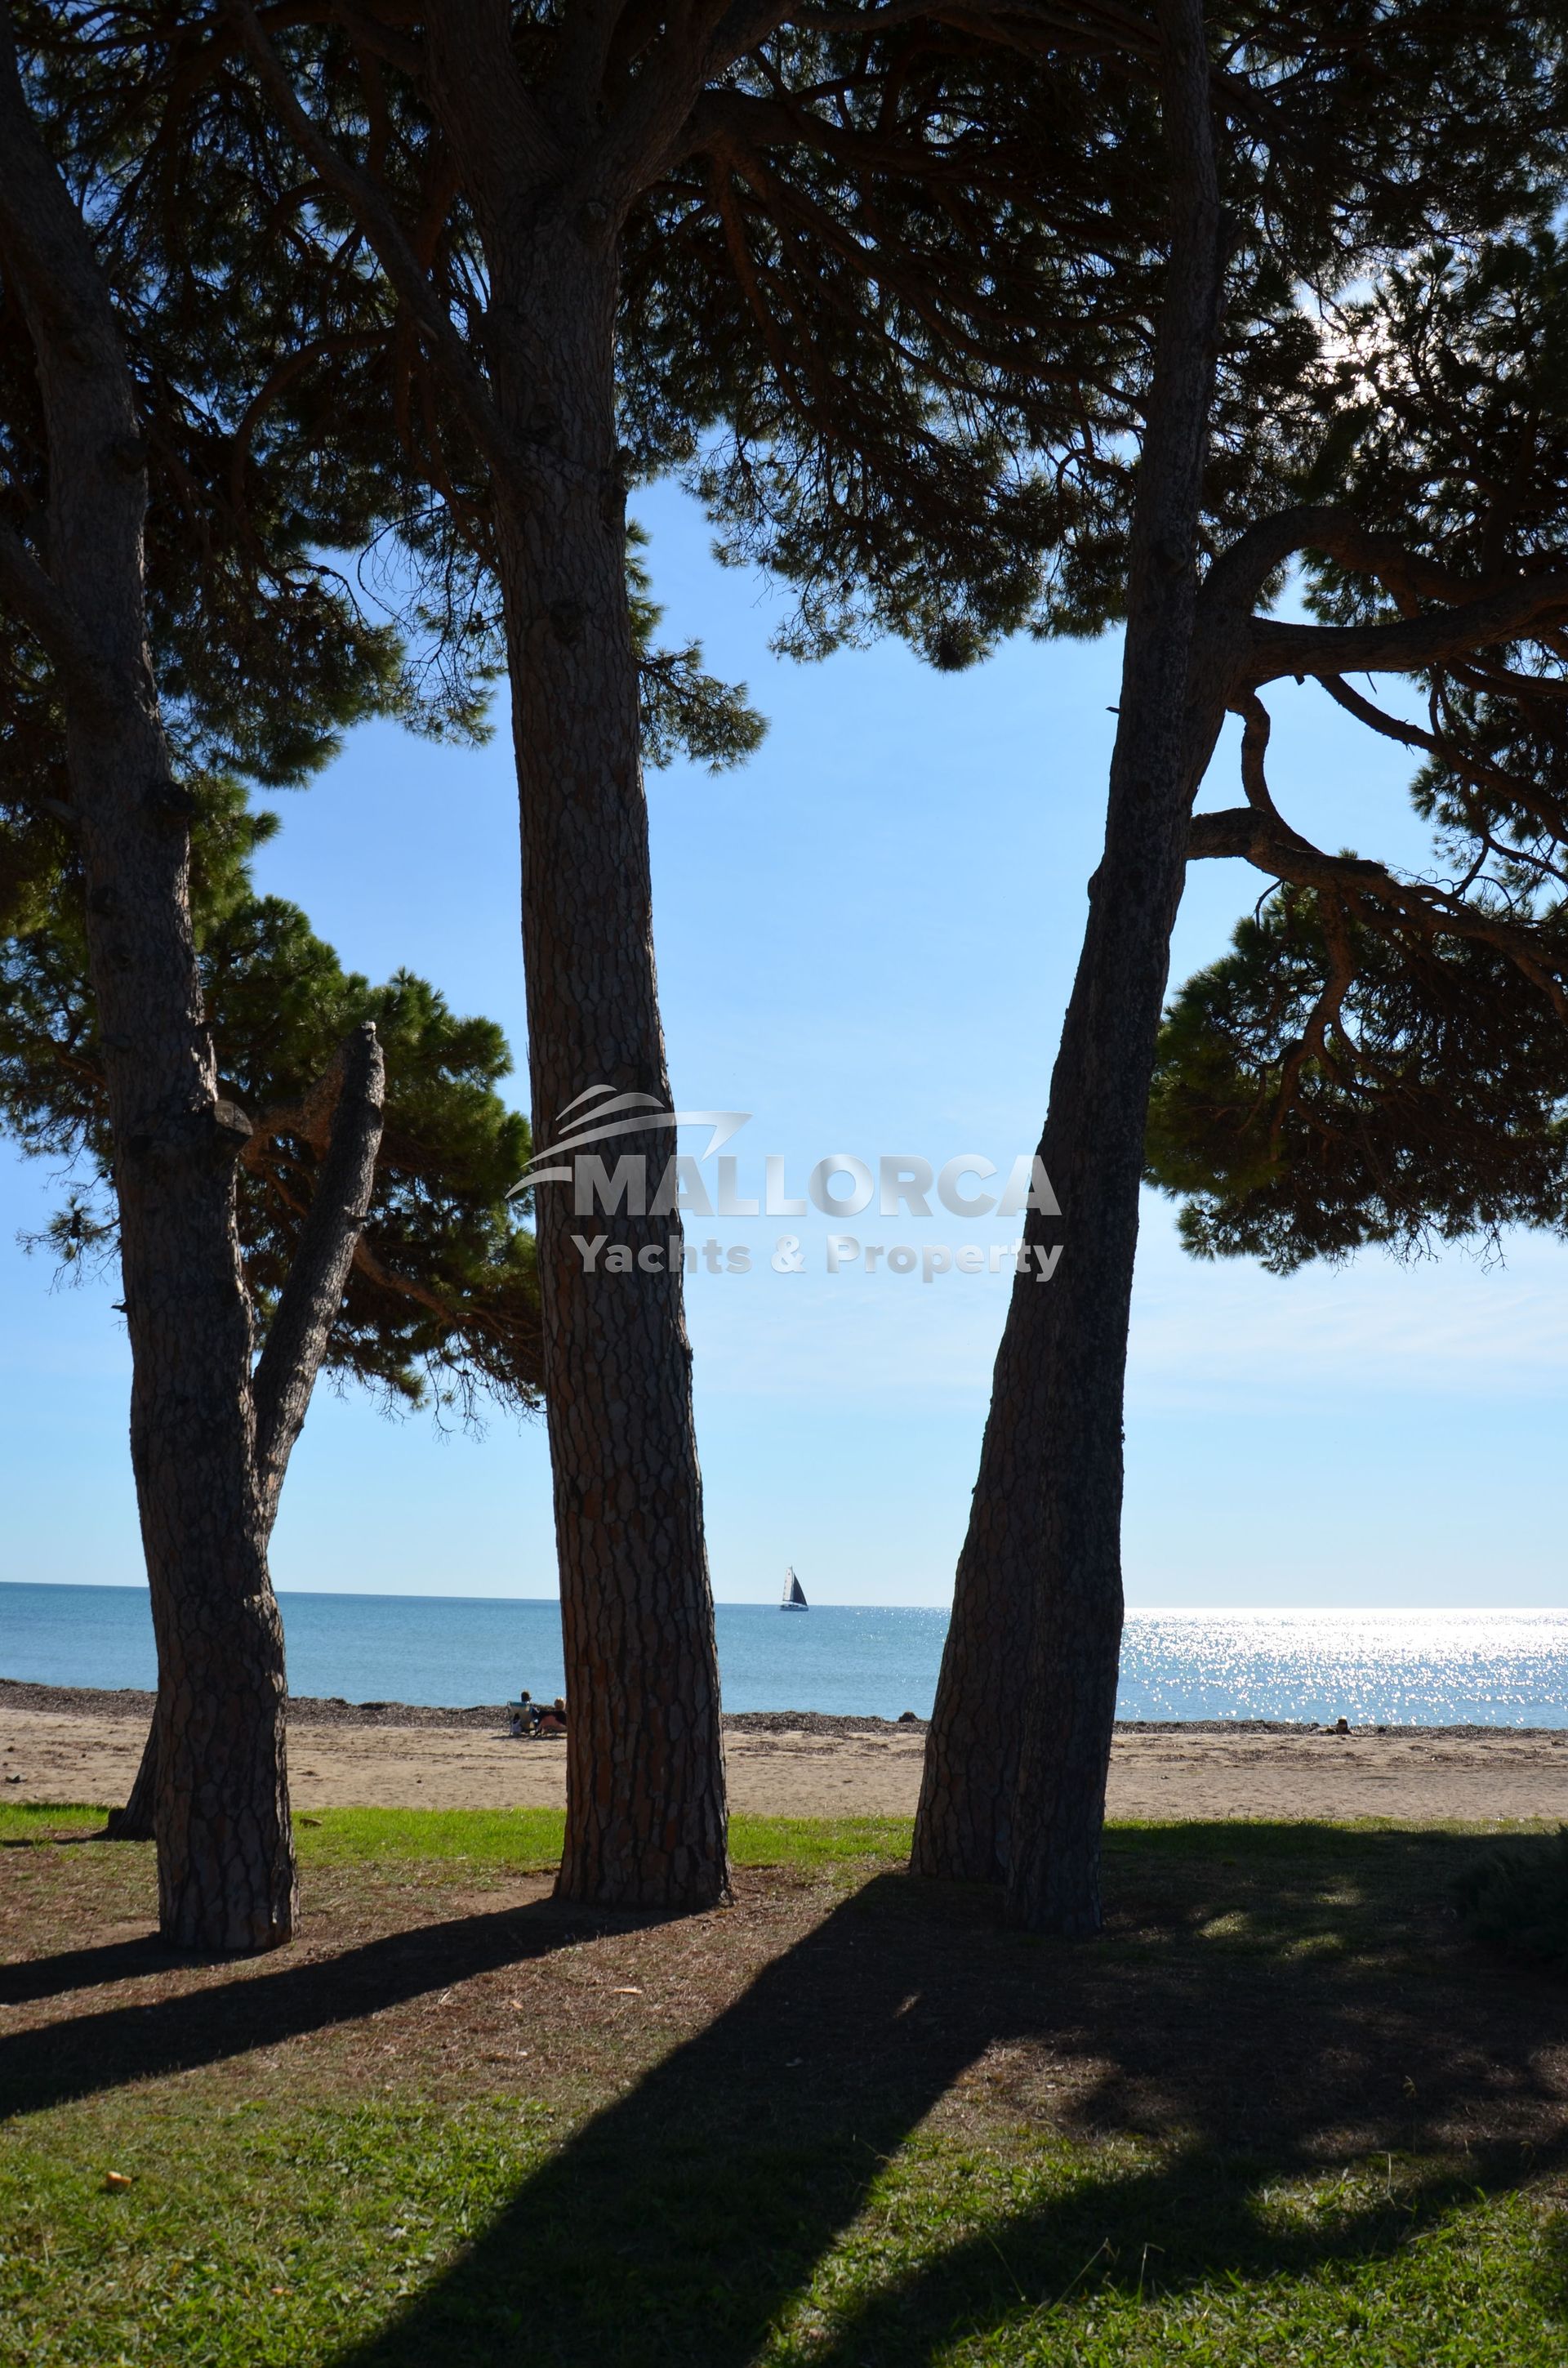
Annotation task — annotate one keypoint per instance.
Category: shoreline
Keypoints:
(62, 1744)
(334, 1710)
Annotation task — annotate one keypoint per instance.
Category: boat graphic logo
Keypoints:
(600, 1115)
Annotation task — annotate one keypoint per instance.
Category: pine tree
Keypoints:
(102, 399)
(1406, 119)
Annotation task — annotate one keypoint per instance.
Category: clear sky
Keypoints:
(866, 939)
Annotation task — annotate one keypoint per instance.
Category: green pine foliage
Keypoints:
(1428, 1101)
(444, 1298)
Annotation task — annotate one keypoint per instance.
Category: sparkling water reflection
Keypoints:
(1385, 1669)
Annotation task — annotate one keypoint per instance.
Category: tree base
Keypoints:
(134, 1822)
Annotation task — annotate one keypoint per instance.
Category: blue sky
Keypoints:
(866, 939)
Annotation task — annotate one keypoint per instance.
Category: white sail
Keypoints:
(794, 1594)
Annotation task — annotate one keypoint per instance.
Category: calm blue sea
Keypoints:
(1485, 1668)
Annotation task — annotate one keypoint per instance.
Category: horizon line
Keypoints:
(834, 1603)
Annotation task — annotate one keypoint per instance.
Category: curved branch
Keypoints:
(1271, 846)
(307, 1309)
(1406, 645)
(1239, 573)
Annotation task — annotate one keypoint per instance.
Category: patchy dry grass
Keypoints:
(1283, 2111)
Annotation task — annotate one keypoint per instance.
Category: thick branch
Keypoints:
(1234, 831)
(311, 1298)
(1239, 573)
(1405, 645)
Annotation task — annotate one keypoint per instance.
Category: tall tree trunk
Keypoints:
(1021, 1737)
(645, 1802)
(645, 1814)
(225, 1853)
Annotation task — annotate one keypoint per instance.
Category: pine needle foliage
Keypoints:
(443, 1296)
(1381, 1058)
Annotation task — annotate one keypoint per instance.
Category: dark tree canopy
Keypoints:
(1383, 1055)
(296, 585)
(1430, 1104)
(309, 561)
(924, 369)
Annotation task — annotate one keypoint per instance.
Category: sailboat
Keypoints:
(794, 1594)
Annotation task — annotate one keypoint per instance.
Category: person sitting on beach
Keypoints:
(554, 1720)
(525, 1717)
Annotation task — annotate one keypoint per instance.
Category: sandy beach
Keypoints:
(71, 1744)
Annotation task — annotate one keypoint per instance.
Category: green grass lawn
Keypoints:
(1283, 2111)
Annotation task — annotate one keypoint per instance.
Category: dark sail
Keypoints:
(794, 1594)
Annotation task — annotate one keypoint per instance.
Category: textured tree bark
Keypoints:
(225, 1853)
(225, 1856)
(286, 1373)
(1020, 1739)
(645, 1820)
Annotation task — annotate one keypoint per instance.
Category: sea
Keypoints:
(1392, 1668)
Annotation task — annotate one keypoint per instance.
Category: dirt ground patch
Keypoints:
(1300, 1984)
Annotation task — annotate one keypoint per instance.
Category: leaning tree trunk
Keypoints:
(1021, 1737)
(302, 1325)
(646, 1804)
(225, 1852)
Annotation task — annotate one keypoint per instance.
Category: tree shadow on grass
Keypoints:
(33, 1979)
(1197, 2218)
(1268, 2001)
(262, 2004)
